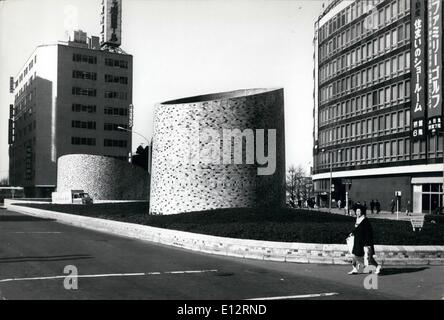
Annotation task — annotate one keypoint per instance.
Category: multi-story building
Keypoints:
(377, 103)
(68, 98)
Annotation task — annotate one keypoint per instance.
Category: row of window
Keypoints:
(116, 79)
(395, 93)
(77, 57)
(83, 124)
(115, 143)
(388, 123)
(83, 141)
(116, 63)
(92, 108)
(371, 101)
(346, 16)
(84, 91)
(77, 74)
(375, 20)
(92, 125)
(25, 71)
(391, 150)
(91, 92)
(116, 111)
(84, 75)
(382, 71)
(116, 95)
(367, 51)
(114, 126)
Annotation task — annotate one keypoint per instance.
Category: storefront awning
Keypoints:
(423, 180)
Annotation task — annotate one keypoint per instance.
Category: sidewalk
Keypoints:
(381, 215)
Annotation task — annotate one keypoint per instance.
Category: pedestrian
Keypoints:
(378, 206)
(363, 245)
(365, 206)
(392, 206)
(407, 209)
(372, 205)
(339, 203)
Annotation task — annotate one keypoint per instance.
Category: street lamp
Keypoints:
(147, 141)
(330, 186)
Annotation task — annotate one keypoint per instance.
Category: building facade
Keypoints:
(68, 98)
(377, 112)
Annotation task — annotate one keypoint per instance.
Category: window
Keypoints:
(116, 95)
(387, 122)
(381, 150)
(114, 126)
(83, 141)
(394, 120)
(83, 108)
(84, 58)
(116, 79)
(116, 63)
(400, 147)
(401, 119)
(407, 60)
(394, 38)
(394, 93)
(387, 95)
(84, 91)
(387, 41)
(84, 124)
(84, 75)
(114, 143)
(116, 111)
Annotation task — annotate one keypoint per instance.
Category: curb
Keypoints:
(243, 248)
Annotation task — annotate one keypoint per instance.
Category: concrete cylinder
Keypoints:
(208, 152)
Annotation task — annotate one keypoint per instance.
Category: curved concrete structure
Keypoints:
(104, 178)
(200, 160)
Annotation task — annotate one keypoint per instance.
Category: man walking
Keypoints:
(372, 205)
(378, 206)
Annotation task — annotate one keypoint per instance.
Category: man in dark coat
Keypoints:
(378, 206)
(363, 245)
(372, 205)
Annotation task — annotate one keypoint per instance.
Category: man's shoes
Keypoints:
(378, 269)
(354, 271)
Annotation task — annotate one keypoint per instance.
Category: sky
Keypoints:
(182, 48)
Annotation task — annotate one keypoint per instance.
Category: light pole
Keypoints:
(147, 141)
(331, 180)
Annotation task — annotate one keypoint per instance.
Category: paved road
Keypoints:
(34, 253)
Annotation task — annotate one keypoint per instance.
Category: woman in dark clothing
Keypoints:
(363, 246)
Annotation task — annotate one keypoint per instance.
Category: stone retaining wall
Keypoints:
(252, 249)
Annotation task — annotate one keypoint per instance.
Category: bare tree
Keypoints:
(295, 183)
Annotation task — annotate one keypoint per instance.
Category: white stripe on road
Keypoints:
(36, 232)
(314, 295)
(139, 274)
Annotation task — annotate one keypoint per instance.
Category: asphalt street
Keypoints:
(34, 253)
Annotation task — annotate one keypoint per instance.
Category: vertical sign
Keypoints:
(11, 84)
(10, 131)
(111, 23)
(418, 67)
(434, 73)
(130, 116)
(28, 163)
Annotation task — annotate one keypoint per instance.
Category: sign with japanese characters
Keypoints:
(111, 23)
(434, 73)
(418, 69)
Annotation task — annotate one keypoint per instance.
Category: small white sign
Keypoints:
(61, 197)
